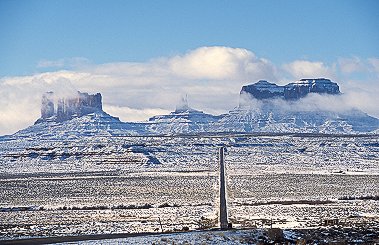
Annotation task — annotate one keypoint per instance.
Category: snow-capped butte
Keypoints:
(260, 110)
(292, 91)
(59, 109)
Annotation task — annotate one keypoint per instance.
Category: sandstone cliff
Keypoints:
(66, 108)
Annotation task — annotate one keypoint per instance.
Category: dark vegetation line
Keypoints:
(292, 202)
(370, 197)
(239, 134)
(167, 205)
(99, 207)
(310, 202)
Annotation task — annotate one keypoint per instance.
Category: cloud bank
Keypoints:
(308, 69)
(211, 77)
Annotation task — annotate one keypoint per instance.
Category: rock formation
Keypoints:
(292, 91)
(66, 108)
(47, 107)
(299, 89)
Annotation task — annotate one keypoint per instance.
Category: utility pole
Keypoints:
(223, 209)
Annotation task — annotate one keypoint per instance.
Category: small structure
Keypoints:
(330, 222)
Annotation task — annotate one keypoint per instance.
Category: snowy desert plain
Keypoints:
(87, 175)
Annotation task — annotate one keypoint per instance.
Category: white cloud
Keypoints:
(14, 116)
(308, 69)
(51, 63)
(364, 100)
(205, 63)
(374, 62)
(324, 102)
(20, 97)
(351, 65)
(352, 100)
(357, 65)
(75, 62)
(211, 76)
(220, 63)
(133, 115)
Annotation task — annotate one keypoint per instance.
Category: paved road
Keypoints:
(49, 240)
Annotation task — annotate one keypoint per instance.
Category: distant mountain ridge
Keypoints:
(270, 116)
(82, 115)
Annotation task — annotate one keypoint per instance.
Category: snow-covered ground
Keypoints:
(105, 184)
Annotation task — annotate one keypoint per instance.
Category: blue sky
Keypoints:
(143, 56)
(110, 31)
